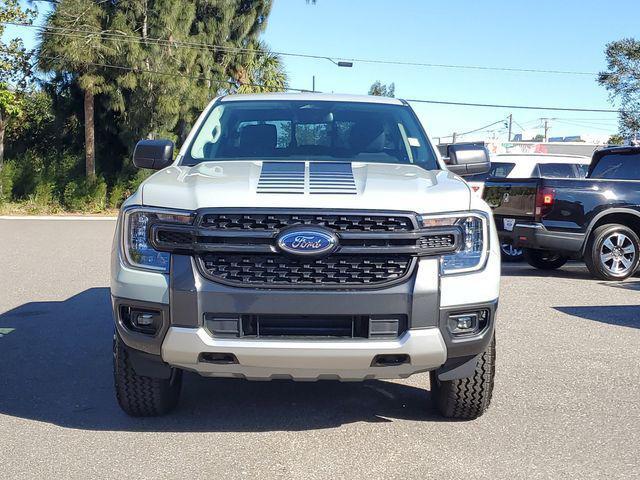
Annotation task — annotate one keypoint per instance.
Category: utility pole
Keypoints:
(313, 84)
(546, 125)
(546, 129)
(453, 137)
(510, 122)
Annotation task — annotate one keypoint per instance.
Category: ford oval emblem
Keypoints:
(299, 241)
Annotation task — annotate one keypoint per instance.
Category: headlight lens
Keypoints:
(473, 252)
(137, 249)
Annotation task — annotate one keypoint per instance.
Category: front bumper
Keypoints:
(427, 299)
(304, 359)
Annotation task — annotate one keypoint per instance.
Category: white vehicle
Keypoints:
(531, 165)
(306, 237)
(528, 165)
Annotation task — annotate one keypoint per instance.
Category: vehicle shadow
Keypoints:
(55, 367)
(633, 285)
(622, 315)
(571, 270)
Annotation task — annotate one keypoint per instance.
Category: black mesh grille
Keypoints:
(168, 236)
(273, 269)
(437, 241)
(276, 221)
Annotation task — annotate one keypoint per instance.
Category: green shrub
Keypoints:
(28, 172)
(87, 195)
(6, 182)
(43, 195)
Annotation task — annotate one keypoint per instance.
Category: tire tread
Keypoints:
(141, 396)
(467, 398)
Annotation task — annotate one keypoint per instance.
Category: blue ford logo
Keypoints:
(307, 241)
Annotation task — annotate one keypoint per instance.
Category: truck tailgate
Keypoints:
(511, 199)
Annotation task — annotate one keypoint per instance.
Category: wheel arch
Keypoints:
(622, 216)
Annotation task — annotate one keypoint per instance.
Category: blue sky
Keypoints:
(553, 35)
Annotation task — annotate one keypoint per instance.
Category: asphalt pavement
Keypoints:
(566, 402)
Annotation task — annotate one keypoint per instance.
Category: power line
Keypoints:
(176, 74)
(184, 44)
(522, 107)
(472, 131)
(481, 128)
(573, 124)
(520, 126)
(414, 100)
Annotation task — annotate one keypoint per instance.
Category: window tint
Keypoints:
(582, 170)
(498, 170)
(556, 170)
(618, 166)
(311, 130)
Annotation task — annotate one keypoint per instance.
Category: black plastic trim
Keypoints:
(468, 345)
(265, 241)
(148, 365)
(141, 341)
(203, 296)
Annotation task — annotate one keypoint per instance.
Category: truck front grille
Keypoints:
(277, 221)
(334, 270)
(241, 248)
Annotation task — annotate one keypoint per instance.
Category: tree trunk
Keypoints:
(2, 126)
(89, 140)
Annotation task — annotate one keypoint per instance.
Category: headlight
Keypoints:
(475, 240)
(137, 250)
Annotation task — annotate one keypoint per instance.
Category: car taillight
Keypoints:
(544, 201)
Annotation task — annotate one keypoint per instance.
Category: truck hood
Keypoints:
(358, 186)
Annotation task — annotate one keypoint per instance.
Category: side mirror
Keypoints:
(153, 154)
(468, 159)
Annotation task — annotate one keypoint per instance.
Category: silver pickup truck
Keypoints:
(305, 237)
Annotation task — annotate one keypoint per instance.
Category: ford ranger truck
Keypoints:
(305, 237)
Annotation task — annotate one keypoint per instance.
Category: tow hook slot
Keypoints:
(218, 358)
(391, 360)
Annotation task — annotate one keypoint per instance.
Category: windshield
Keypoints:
(558, 170)
(498, 170)
(311, 130)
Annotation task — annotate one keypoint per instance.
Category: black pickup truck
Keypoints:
(596, 218)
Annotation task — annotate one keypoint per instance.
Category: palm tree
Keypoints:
(264, 71)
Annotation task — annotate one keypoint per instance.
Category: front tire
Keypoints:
(612, 252)
(141, 396)
(466, 398)
(544, 259)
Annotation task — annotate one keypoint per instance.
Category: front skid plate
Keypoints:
(304, 360)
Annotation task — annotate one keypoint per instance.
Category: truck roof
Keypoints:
(544, 157)
(308, 96)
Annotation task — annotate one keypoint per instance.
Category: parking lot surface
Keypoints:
(566, 403)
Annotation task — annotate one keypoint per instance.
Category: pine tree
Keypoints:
(152, 95)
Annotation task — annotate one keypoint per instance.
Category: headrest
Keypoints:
(367, 136)
(258, 138)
